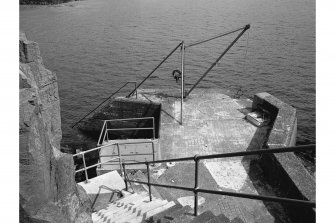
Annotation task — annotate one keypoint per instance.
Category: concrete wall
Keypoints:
(286, 171)
(123, 108)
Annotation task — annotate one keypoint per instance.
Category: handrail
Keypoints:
(156, 68)
(118, 156)
(197, 190)
(114, 93)
(106, 129)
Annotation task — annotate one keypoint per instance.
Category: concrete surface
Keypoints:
(213, 123)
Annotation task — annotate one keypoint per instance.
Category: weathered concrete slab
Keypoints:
(213, 123)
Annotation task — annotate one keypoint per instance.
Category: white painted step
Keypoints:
(125, 209)
(116, 205)
(132, 208)
(149, 213)
(139, 211)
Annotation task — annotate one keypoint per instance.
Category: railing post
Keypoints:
(148, 172)
(136, 89)
(153, 151)
(86, 176)
(104, 138)
(100, 157)
(119, 154)
(182, 82)
(196, 160)
(153, 128)
(125, 176)
(102, 129)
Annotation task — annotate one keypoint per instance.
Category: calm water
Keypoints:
(95, 45)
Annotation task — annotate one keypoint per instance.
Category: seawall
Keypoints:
(285, 171)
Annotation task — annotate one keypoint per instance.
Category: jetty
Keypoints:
(195, 156)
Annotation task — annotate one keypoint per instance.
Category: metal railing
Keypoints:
(105, 129)
(196, 188)
(109, 97)
(99, 162)
(116, 157)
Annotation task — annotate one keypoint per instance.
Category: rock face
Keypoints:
(48, 192)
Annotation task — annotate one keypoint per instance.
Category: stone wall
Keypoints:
(285, 171)
(48, 192)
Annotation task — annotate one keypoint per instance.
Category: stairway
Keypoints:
(136, 206)
(132, 208)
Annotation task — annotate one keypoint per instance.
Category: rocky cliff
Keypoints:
(48, 192)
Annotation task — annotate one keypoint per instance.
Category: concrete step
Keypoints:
(140, 213)
(131, 208)
(166, 215)
(159, 209)
(121, 204)
(121, 211)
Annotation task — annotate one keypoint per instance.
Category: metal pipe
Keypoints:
(214, 37)
(261, 197)
(127, 119)
(103, 126)
(86, 176)
(100, 158)
(260, 152)
(107, 132)
(196, 181)
(136, 89)
(125, 175)
(153, 151)
(156, 67)
(148, 172)
(219, 58)
(162, 185)
(126, 143)
(90, 150)
(82, 169)
(235, 154)
(137, 154)
(118, 152)
(153, 128)
(130, 129)
(182, 83)
(104, 138)
(165, 161)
